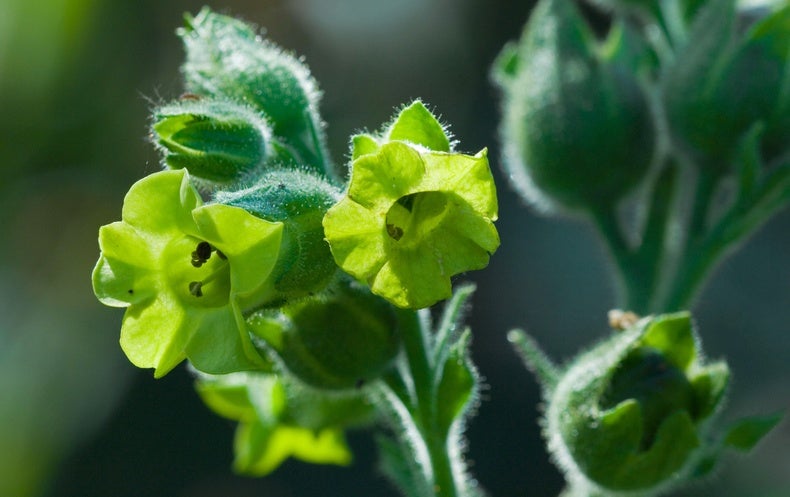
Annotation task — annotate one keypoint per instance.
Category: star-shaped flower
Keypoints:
(415, 213)
(186, 271)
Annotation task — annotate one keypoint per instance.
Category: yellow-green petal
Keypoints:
(119, 284)
(467, 176)
(356, 238)
(124, 273)
(219, 343)
(378, 180)
(162, 203)
(250, 243)
(261, 449)
(155, 335)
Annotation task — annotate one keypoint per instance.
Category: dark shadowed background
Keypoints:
(77, 79)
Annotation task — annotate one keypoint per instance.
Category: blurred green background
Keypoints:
(77, 79)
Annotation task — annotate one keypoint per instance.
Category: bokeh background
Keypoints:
(77, 80)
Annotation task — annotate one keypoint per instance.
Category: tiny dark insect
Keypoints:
(130, 291)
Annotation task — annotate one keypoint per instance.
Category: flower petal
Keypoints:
(378, 180)
(118, 284)
(124, 273)
(162, 203)
(356, 238)
(154, 335)
(467, 176)
(412, 279)
(251, 244)
(219, 344)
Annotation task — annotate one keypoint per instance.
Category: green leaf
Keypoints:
(535, 359)
(744, 434)
(456, 386)
(450, 327)
(749, 163)
(416, 124)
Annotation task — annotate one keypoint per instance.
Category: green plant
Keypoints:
(300, 291)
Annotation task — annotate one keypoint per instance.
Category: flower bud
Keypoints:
(219, 142)
(633, 414)
(225, 58)
(299, 201)
(338, 341)
(577, 128)
(724, 83)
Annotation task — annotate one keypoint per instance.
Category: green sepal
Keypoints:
(221, 143)
(226, 59)
(577, 128)
(417, 125)
(506, 65)
(744, 434)
(710, 386)
(671, 334)
(298, 200)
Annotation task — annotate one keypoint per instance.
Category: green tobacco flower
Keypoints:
(278, 420)
(415, 213)
(185, 271)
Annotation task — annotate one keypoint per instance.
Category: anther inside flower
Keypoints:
(186, 272)
(412, 218)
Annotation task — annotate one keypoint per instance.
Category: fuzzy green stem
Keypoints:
(706, 251)
(416, 339)
(634, 274)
